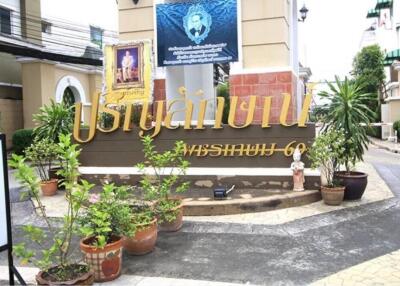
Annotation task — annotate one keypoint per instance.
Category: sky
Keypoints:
(331, 35)
(328, 39)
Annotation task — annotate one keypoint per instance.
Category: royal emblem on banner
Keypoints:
(197, 23)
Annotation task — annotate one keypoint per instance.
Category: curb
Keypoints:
(381, 146)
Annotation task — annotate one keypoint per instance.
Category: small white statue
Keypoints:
(298, 172)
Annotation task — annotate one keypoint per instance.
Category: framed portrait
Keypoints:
(128, 66)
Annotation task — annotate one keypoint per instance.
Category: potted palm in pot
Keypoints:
(42, 153)
(161, 174)
(53, 120)
(325, 154)
(104, 224)
(347, 109)
(55, 243)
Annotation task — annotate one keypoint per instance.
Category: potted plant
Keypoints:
(53, 252)
(325, 154)
(107, 219)
(166, 169)
(144, 239)
(347, 109)
(53, 120)
(42, 153)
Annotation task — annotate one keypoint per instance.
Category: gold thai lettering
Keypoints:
(243, 107)
(154, 128)
(92, 122)
(242, 150)
(158, 120)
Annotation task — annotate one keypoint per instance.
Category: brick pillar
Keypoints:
(263, 85)
(159, 92)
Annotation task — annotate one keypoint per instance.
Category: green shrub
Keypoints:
(396, 127)
(21, 140)
(375, 131)
(223, 91)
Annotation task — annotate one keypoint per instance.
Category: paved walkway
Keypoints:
(337, 247)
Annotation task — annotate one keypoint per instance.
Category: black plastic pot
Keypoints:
(355, 183)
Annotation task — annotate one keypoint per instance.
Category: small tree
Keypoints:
(327, 153)
(369, 70)
(167, 168)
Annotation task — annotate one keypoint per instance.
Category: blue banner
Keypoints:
(197, 32)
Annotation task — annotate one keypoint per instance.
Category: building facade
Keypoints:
(268, 54)
(48, 54)
(384, 30)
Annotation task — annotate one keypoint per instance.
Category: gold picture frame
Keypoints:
(128, 66)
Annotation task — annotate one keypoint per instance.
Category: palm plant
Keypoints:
(53, 120)
(347, 109)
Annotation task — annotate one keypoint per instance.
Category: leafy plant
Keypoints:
(326, 153)
(347, 109)
(59, 252)
(223, 91)
(167, 167)
(21, 140)
(396, 127)
(108, 215)
(42, 153)
(369, 69)
(53, 120)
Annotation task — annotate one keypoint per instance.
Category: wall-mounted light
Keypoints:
(303, 13)
(135, 2)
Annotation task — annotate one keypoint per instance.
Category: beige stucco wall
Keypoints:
(40, 80)
(10, 71)
(11, 118)
(265, 29)
(394, 110)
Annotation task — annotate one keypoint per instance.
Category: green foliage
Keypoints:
(327, 153)
(106, 120)
(396, 127)
(21, 140)
(347, 109)
(42, 153)
(58, 253)
(223, 91)
(369, 71)
(158, 186)
(109, 215)
(53, 120)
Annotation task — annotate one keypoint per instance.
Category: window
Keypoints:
(46, 27)
(96, 36)
(5, 21)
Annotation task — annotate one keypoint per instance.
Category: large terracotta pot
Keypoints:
(53, 175)
(143, 241)
(42, 278)
(332, 196)
(105, 262)
(355, 183)
(176, 224)
(49, 188)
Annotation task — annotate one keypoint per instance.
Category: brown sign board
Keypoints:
(251, 147)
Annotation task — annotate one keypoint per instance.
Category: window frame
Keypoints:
(10, 11)
(98, 30)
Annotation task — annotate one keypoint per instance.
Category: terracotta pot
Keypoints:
(53, 175)
(49, 188)
(176, 224)
(105, 262)
(84, 279)
(332, 196)
(355, 183)
(144, 240)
